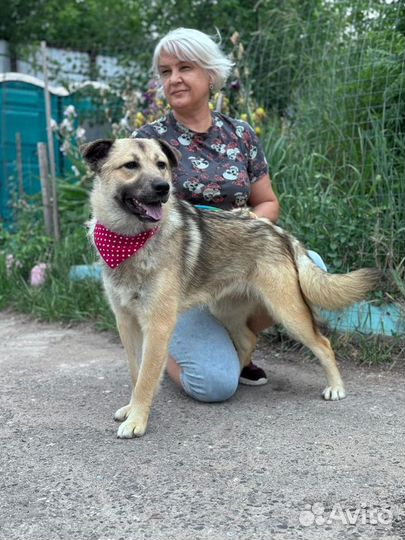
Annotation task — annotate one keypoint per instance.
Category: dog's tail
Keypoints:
(333, 291)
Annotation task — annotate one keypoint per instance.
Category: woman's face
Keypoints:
(185, 84)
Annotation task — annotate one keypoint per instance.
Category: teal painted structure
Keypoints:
(22, 110)
(388, 320)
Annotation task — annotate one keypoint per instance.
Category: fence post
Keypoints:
(45, 188)
(51, 149)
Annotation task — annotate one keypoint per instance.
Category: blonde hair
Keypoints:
(191, 45)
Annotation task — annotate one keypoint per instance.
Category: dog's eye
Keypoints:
(131, 165)
(162, 165)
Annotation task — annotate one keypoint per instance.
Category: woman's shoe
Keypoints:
(253, 375)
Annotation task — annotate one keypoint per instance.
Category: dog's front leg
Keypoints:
(154, 356)
(131, 339)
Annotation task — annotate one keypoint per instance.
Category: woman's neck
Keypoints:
(197, 120)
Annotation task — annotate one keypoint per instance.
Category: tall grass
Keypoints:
(349, 216)
(336, 153)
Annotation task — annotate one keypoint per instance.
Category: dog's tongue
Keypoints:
(153, 210)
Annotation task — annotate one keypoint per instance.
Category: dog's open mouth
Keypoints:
(145, 211)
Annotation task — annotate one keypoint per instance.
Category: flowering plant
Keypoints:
(71, 135)
(240, 96)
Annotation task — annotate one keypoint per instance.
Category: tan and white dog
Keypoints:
(189, 257)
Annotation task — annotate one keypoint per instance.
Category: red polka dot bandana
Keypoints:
(116, 248)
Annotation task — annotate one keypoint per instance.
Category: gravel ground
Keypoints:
(274, 462)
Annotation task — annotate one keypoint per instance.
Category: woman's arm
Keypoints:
(263, 200)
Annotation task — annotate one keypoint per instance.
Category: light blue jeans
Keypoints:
(204, 350)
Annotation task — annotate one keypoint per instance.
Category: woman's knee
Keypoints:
(210, 387)
(205, 353)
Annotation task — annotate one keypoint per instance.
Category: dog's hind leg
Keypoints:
(233, 313)
(244, 341)
(289, 308)
(131, 339)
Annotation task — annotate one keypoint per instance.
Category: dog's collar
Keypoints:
(116, 248)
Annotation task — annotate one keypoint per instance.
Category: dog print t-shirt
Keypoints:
(217, 167)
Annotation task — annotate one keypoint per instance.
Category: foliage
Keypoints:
(85, 26)
(59, 298)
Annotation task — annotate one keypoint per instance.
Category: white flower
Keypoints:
(124, 123)
(65, 147)
(54, 124)
(70, 111)
(80, 133)
(67, 125)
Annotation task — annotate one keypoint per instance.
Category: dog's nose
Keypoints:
(161, 187)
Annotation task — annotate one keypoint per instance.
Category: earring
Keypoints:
(211, 86)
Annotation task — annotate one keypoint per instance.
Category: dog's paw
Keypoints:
(122, 413)
(334, 393)
(132, 427)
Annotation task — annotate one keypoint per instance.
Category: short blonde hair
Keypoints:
(191, 45)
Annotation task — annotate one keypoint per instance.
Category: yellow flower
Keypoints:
(211, 106)
(258, 131)
(244, 117)
(260, 113)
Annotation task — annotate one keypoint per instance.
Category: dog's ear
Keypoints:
(172, 153)
(96, 152)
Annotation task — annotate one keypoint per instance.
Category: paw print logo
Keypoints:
(312, 514)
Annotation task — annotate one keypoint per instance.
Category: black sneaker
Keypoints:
(253, 375)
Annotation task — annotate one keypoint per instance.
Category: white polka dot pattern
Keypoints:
(116, 248)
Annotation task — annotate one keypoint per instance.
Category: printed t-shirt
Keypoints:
(217, 167)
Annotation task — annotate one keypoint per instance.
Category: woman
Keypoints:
(222, 166)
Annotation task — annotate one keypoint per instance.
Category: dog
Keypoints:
(172, 256)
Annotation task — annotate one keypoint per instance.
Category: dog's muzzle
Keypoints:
(146, 202)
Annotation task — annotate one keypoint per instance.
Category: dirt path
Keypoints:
(274, 462)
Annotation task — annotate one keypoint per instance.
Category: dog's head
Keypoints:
(134, 175)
